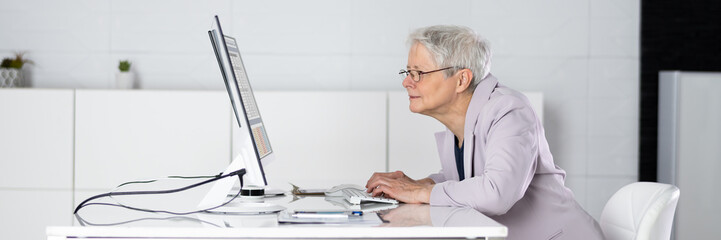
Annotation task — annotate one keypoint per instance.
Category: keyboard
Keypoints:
(355, 196)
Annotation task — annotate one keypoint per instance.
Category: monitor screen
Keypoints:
(252, 115)
(254, 146)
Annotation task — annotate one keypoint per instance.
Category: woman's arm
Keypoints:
(426, 181)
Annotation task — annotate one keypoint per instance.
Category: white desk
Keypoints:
(410, 221)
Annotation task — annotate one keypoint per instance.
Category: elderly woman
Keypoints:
(494, 154)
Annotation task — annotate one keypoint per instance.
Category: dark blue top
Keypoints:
(459, 158)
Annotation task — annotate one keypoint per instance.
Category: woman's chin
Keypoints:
(415, 109)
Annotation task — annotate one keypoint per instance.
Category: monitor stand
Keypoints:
(218, 195)
(252, 191)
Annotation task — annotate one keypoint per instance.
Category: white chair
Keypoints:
(640, 211)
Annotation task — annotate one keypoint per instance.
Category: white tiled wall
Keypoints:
(582, 54)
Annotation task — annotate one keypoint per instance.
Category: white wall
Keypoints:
(582, 54)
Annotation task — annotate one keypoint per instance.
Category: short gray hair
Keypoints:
(456, 46)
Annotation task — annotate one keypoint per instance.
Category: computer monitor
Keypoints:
(253, 146)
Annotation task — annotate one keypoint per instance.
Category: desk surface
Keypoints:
(405, 221)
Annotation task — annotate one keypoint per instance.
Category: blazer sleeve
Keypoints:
(438, 177)
(510, 152)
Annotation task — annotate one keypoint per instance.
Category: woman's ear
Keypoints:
(464, 80)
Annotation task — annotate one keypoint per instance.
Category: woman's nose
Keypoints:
(407, 82)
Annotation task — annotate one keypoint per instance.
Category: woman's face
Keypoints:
(433, 92)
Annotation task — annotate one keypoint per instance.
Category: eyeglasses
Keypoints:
(416, 74)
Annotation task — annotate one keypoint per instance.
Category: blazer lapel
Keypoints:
(446, 154)
(478, 100)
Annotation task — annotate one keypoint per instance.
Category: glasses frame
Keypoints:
(406, 73)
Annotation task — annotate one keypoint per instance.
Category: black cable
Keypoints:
(193, 177)
(134, 182)
(155, 180)
(238, 173)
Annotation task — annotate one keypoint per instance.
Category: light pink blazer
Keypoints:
(510, 172)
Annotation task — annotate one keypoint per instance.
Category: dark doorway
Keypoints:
(675, 35)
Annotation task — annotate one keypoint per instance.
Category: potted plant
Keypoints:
(11, 70)
(125, 78)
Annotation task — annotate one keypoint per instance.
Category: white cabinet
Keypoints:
(58, 147)
(36, 161)
(124, 136)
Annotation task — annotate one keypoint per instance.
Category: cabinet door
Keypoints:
(36, 138)
(26, 213)
(124, 136)
(323, 139)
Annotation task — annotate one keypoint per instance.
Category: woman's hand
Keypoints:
(398, 186)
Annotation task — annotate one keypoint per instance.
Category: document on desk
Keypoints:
(319, 210)
(329, 218)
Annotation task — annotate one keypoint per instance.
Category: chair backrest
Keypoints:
(640, 211)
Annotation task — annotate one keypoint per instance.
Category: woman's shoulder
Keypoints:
(507, 99)
(506, 105)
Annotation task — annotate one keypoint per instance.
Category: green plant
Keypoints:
(16, 63)
(124, 66)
